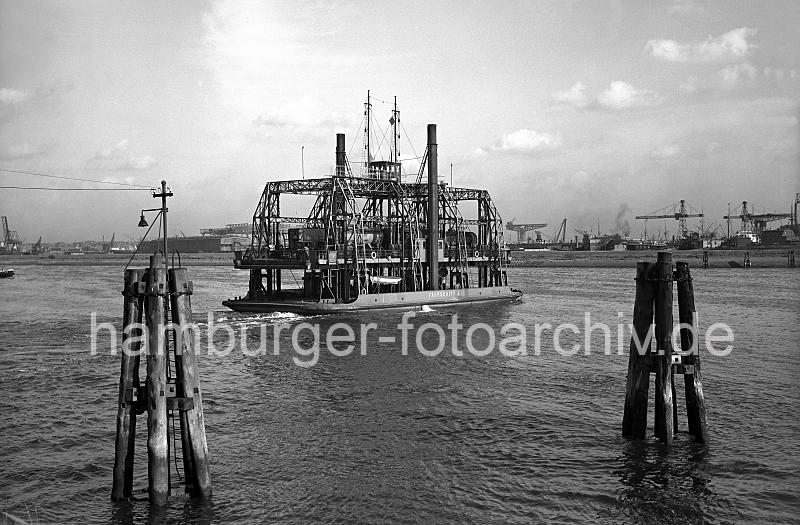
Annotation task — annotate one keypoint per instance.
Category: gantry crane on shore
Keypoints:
(680, 212)
(107, 248)
(10, 243)
(755, 222)
(522, 229)
(36, 249)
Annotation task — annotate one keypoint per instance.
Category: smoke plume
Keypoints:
(621, 222)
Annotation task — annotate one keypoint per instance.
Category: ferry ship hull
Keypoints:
(381, 301)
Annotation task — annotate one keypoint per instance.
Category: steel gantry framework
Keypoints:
(680, 212)
(9, 244)
(373, 234)
(522, 229)
(756, 222)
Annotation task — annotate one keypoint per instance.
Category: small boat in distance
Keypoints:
(5, 274)
(373, 241)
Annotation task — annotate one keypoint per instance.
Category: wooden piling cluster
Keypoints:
(653, 306)
(747, 263)
(161, 299)
(791, 259)
(705, 258)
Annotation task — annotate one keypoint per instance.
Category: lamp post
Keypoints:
(165, 192)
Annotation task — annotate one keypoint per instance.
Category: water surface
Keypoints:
(409, 438)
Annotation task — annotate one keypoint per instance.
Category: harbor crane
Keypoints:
(559, 240)
(561, 234)
(755, 222)
(680, 212)
(107, 248)
(10, 242)
(36, 249)
(522, 229)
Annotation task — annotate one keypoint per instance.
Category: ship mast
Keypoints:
(367, 112)
(395, 118)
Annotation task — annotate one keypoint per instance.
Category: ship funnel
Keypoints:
(433, 209)
(341, 159)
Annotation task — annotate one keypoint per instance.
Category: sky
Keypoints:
(595, 111)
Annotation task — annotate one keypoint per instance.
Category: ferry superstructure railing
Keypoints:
(357, 225)
(414, 234)
(453, 215)
(268, 209)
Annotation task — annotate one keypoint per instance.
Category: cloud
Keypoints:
(299, 113)
(17, 102)
(684, 8)
(24, 150)
(301, 118)
(779, 73)
(477, 153)
(621, 95)
(522, 141)
(527, 140)
(731, 46)
(736, 74)
(667, 151)
(118, 148)
(10, 96)
(580, 179)
(137, 163)
(574, 96)
(692, 85)
(118, 158)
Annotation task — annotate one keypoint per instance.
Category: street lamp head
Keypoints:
(142, 221)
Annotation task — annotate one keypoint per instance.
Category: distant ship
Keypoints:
(229, 238)
(635, 245)
(529, 247)
(746, 238)
(371, 241)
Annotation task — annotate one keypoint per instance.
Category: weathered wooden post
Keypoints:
(695, 401)
(705, 259)
(791, 259)
(664, 418)
(128, 387)
(193, 432)
(157, 443)
(747, 260)
(654, 302)
(634, 420)
(165, 391)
